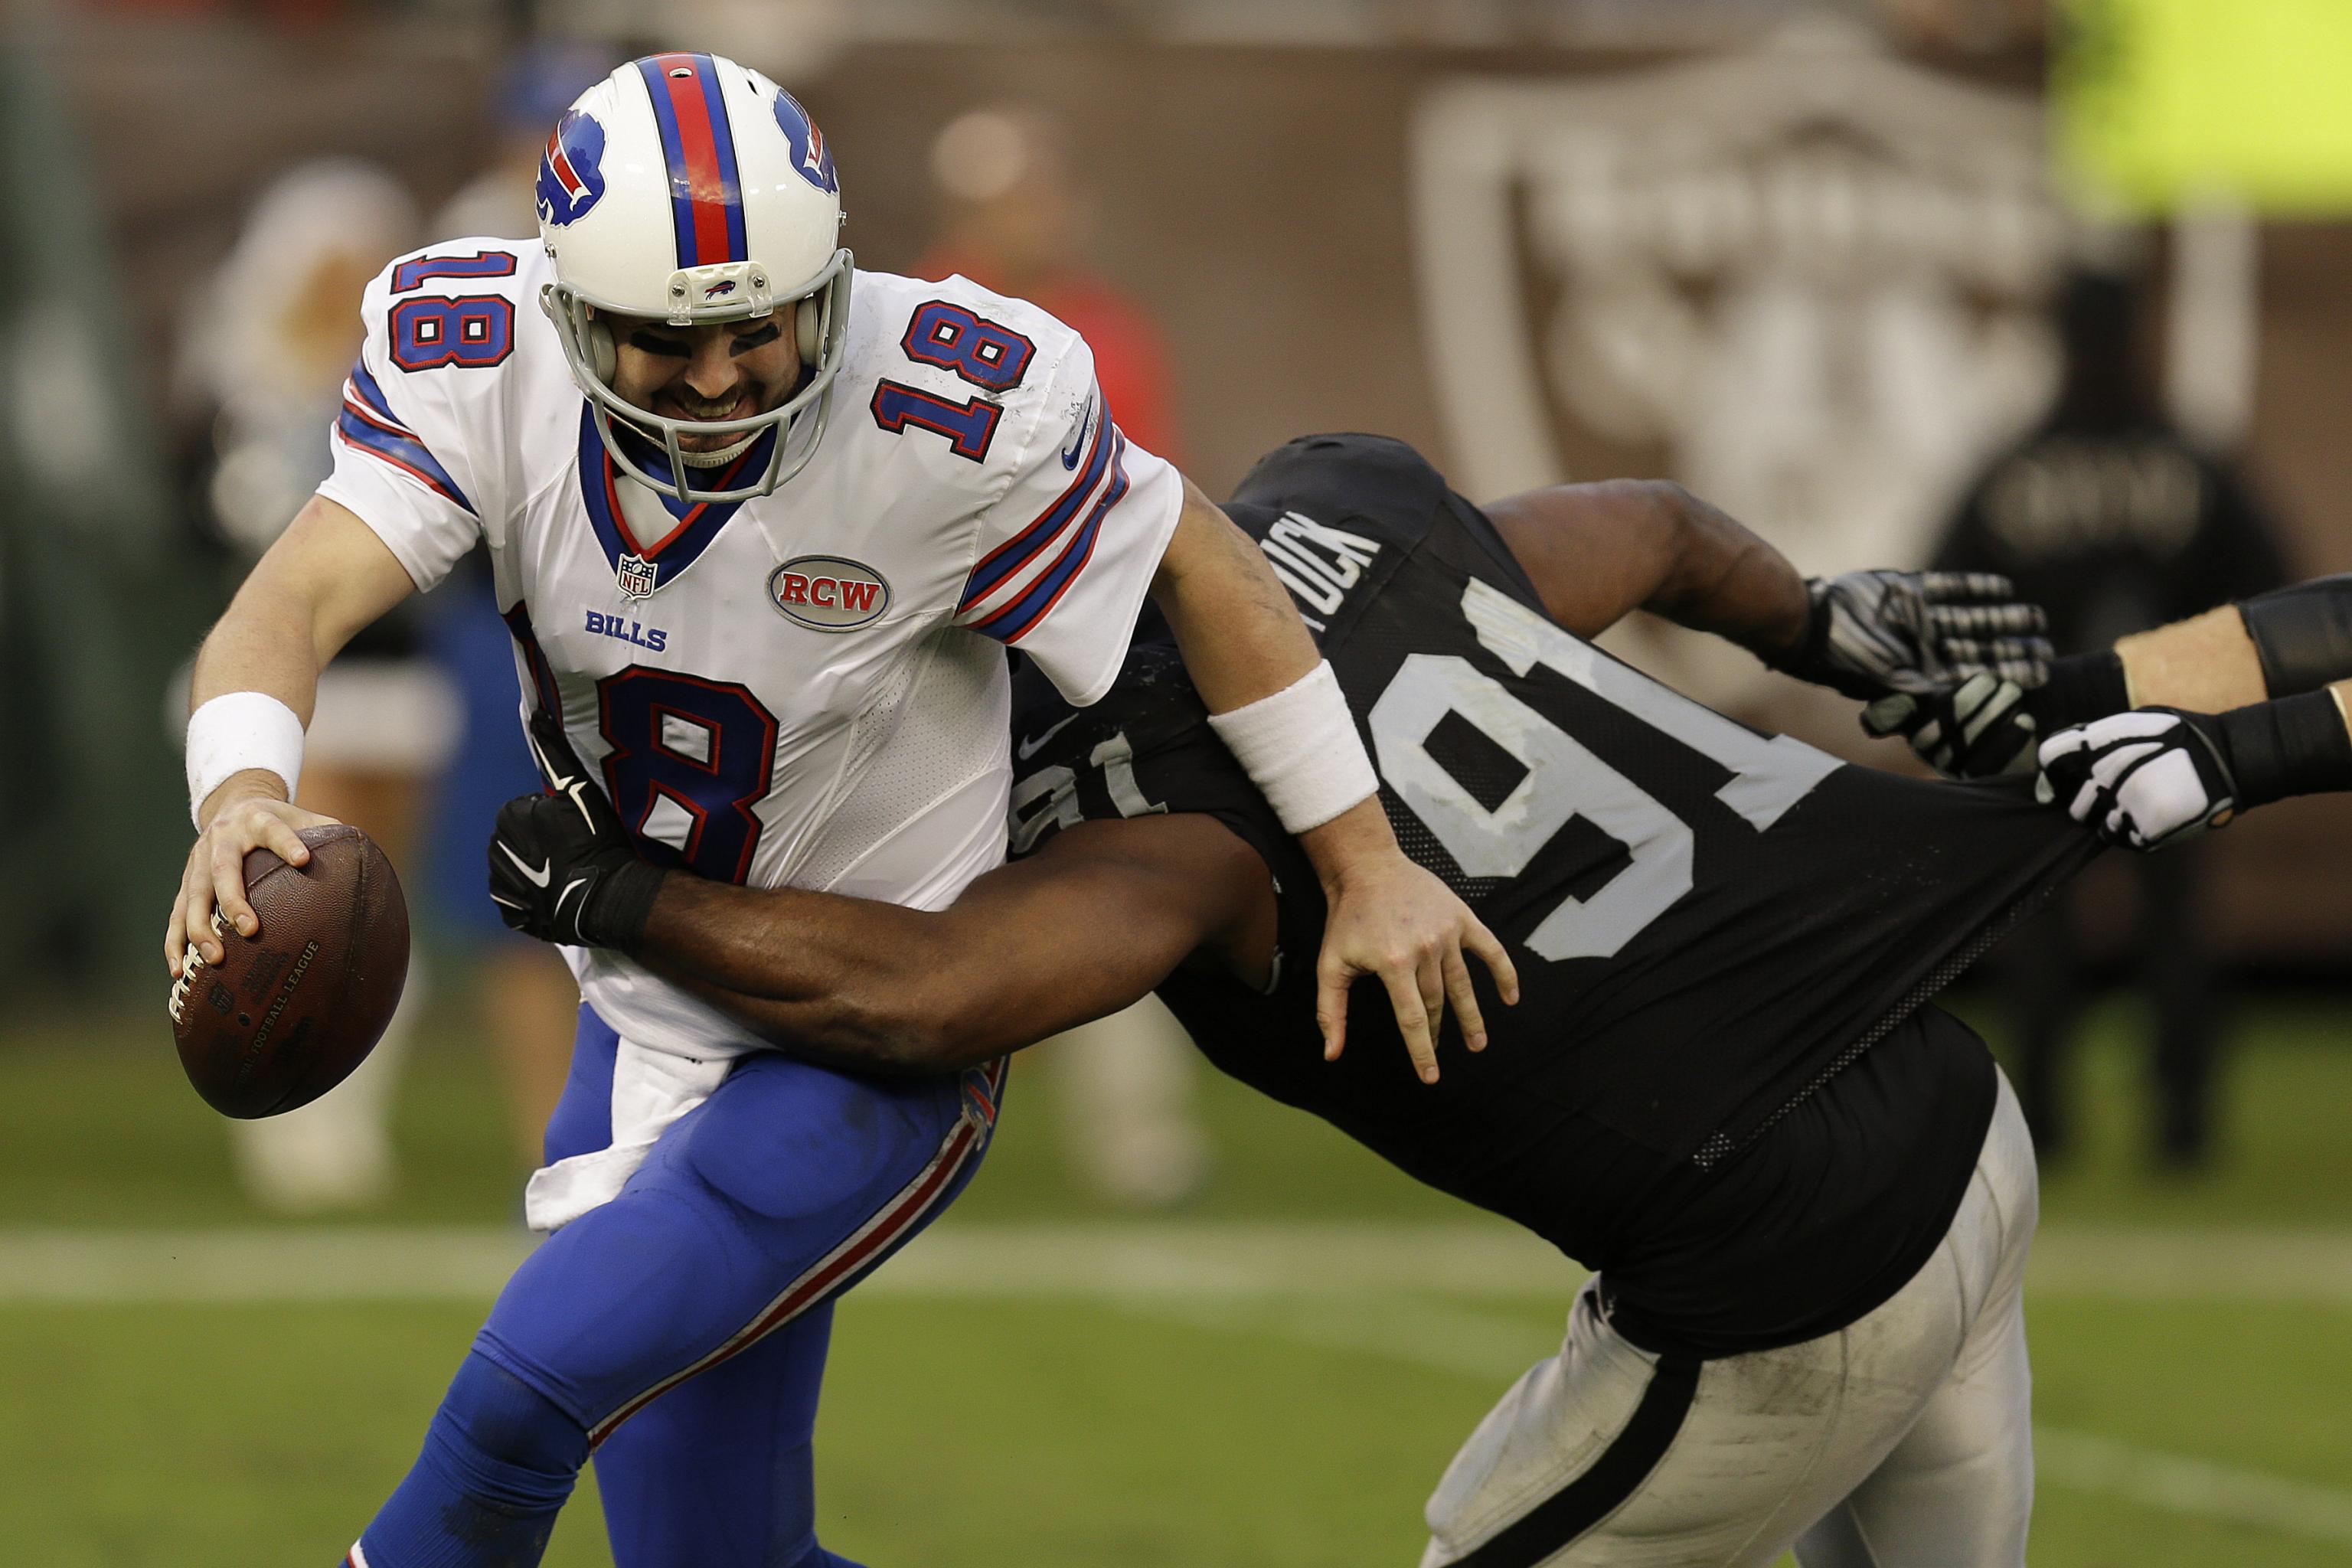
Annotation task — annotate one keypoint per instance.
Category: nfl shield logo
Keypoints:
(636, 575)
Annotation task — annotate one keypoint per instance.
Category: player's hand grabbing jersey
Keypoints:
(807, 687)
(1707, 920)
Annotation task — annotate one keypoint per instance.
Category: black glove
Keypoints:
(1977, 729)
(1988, 726)
(1871, 633)
(562, 869)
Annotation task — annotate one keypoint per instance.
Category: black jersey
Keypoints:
(1708, 921)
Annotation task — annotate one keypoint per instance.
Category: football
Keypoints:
(290, 1011)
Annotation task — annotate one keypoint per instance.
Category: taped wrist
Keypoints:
(2296, 745)
(1300, 748)
(236, 731)
(2302, 633)
(2082, 687)
(615, 913)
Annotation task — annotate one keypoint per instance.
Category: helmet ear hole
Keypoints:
(601, 356)
(808, 313)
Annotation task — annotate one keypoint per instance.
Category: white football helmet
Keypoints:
(689, 189)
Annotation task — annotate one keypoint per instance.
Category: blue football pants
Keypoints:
(680, 1331)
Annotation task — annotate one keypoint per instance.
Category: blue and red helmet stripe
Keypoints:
(699, 145)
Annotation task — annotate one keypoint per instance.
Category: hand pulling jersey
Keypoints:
(806, 689)
(1709, 922)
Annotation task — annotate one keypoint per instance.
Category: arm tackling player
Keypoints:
(1728, 940)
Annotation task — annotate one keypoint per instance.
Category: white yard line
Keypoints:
(1405, 1292)
(98, 1268)
(1496, 1350)
(1150, 1259)
(2173, 1483)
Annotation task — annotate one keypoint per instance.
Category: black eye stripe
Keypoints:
(654, 344)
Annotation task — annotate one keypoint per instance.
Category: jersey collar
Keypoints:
(644, 567)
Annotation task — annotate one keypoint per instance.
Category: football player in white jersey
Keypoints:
(762, 527)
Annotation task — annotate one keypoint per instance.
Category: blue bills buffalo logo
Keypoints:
(809, 155)
(828, 593)
(570, 181)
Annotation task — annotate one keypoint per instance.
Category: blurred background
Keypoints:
(2062, 289)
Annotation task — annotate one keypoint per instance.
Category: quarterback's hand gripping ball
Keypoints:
(562, 867)
(290, 1011)
(2144, 779)
(1871, 633)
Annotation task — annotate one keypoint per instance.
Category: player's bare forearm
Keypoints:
(1235, 623)
(327, 576)
(1242, 640)
(1595, 552)
(2280, 644)
(2206, 664)
(1082, 928)
(2295, 641)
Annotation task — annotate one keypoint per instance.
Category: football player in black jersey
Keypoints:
(1805, 1193)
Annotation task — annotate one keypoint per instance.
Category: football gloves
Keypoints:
(1977, 729)
(2144, 779)
(1987, 725)
(562, 867)
(1871, 633)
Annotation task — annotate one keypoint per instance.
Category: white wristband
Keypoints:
(236, 730)
(1300, 748)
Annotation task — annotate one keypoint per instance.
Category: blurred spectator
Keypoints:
(1014, 219)
(2115, 523)
(529, 1003)
(533, 88)
(261, 373)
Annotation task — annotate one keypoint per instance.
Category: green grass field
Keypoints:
(1274, 1378)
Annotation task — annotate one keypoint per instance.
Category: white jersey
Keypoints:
(807, 689)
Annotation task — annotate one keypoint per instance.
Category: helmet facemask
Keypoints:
(799, 421)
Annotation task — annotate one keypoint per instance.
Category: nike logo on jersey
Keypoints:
(1078, 436)
(1028, 748)
(538, 879)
